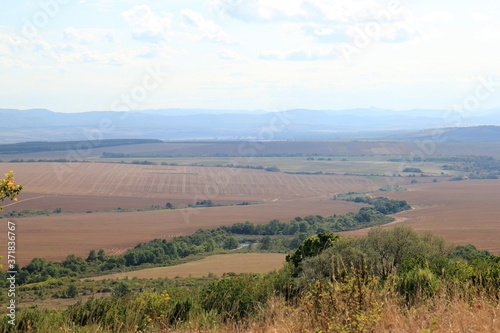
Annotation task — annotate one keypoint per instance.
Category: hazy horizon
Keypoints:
(194, 111)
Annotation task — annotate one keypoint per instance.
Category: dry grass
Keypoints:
(440, 315)
(217, 264)
(443, 317)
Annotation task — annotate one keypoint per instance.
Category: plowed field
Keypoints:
(465, 212)
(79, 188)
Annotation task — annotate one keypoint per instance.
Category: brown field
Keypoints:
(81, 187)
(464, 212)
(217, 264)
(97, 187)
(54, 237)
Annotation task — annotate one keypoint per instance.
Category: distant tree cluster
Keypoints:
(415, 170)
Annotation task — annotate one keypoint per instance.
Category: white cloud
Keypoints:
(229, 55)
(88, 36)
(488, 35)
(101, 5)
(71, 50)
(481, 17)
(146, 25)
(302, 54)
(329, 21)
(439, 16)
(296, 10)
(323, 33)
(202, 28)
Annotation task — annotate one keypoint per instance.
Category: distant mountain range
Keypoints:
(485, 133)
(192, 124)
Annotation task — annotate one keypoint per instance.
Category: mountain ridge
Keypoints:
(191, 124)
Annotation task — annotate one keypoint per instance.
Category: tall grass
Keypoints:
(357, 303)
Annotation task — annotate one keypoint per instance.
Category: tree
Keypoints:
(101, 255)
(231, 243)
(72, 291)
(92, 256)
(311, 247)
(8, 189)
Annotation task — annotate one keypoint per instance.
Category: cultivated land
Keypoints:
(90, 193)
(464, 212)
(251, 150)
(88, 187)
(216, 264)
(54, 237)
(122, 183)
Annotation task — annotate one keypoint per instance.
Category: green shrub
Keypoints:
(235, 297)
(122, 289)
(418, 283)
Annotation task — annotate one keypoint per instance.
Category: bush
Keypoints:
(122, 289)
(418, 283)
(72, 291)
(236, 297)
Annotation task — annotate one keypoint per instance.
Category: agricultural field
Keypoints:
(362, 165)
(104, 203)
(250, 150)
(88, 195)
(133, 182)
(216, 264)
(79, 206)
(464, 212)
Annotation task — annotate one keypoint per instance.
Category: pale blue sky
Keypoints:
(84, 55)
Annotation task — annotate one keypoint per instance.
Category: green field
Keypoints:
(362, 165)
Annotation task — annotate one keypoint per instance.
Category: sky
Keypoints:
(273, 55)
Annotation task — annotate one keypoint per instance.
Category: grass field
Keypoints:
(216, 264)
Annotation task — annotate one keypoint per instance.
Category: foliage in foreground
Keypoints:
(392, 279)
(9, 190)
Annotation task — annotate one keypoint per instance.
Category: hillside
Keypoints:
(455, 134)
(177, 124)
